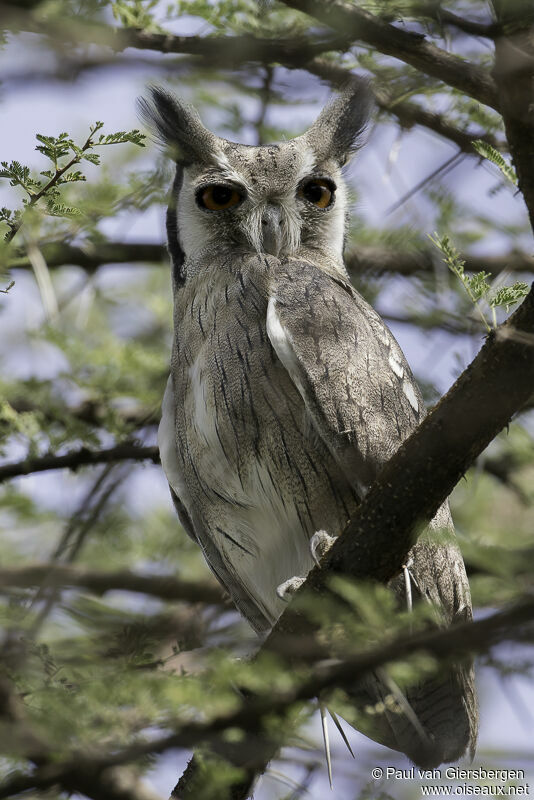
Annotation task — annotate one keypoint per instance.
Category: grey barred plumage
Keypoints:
(288, 392)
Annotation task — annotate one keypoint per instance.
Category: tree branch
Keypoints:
(410, 114)
(406, 112)
(377, 259)
(513, 623)
(412, 48)
(232, 51)
(90, 257)
(166, 587)
(80, 458)
(223, 51)
(363, 258)
(434, 10)
(514, 75)
(293, 53)
(91, 411)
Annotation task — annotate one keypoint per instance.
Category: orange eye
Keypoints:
(218, 197)
(319, 192)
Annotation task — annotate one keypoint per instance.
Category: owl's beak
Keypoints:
(271, 227)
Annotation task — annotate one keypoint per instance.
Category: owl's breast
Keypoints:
(257, 473)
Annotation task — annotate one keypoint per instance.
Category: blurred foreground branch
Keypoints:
(513, 623)
(166, 587)
(359, 259)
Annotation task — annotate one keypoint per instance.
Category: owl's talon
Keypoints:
(320, 544)
(288, 588)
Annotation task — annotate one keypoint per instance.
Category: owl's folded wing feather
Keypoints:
(350, 371)
(191, 523)
(363, 401)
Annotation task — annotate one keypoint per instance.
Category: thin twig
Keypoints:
(80, 458)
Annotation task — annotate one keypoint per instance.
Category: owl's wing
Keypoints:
(363, 401)
(358, 391)
(351, 373)
(190, 521)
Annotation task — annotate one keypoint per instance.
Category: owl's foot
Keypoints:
(320, 544)
(288, 588)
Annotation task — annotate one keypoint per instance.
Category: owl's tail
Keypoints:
(435, 722)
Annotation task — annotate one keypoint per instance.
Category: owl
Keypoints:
(288, 393)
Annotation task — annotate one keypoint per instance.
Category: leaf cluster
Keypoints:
(65, 155)
(477, 285)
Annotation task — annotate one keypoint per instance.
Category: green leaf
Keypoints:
(61, 210)
(72, 177)
(507, 296)
(54, 147)
(94, 158)
(478, 284)
(491, 154)
(121, 137)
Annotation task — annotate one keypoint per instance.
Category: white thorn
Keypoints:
(408, 585)
(338, 725)
(324, 724)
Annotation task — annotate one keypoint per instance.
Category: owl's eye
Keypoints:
(218, 197)
(320, 192)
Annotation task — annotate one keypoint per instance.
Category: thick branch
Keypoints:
(412, 48)
(166, 587)
(80, 458)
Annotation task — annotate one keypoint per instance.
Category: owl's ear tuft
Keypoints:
(178, 127)
(338, 130)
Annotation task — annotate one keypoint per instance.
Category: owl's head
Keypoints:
(276, 198)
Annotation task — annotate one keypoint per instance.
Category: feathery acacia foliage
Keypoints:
(117, 645)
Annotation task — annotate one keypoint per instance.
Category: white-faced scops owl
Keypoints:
(287, 391)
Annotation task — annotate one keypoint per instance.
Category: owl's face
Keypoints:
(273, 199)
(280, 199)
